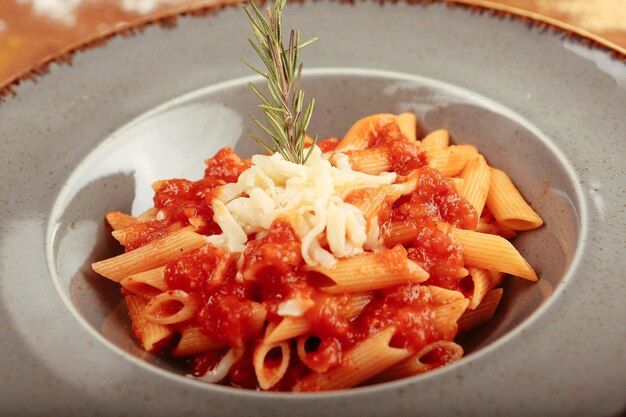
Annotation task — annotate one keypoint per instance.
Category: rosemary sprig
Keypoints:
(284, 105)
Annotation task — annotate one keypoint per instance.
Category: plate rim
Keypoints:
(169, 20)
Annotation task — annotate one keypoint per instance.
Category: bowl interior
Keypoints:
(174, 139)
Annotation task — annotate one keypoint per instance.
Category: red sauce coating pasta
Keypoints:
(241, 300)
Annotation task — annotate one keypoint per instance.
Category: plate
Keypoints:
(545, 104)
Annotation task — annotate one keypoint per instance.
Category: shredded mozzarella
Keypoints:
(315, 191)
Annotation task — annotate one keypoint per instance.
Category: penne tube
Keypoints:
(438, 139)
(370, 161)
(371, 271)
(493, 252)
(450, 161)
(171, 307)
(310, 350)
(484, 281)
(440, 296)
(445, 351)
(459, 185)
(150, 214)
(193, 341)
(292, 327)
(147, 284)
(399, 233)
(151, 335)
(370, 200)
(485, 227)
(288, 328)
(270, 363)
(445, 317)
(476, 175)
(507, 204)
(362, 362)
(482, 313)
(152, 255)
(363, 133)
(408, 126)
(118, 220)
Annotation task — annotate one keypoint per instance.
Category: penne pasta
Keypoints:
(507, 204)
(438, 139)
(147, 284)
(371, 200)
(364, 132)
(484, 281)
(450, 161)
(151, 335)
(152, 255)
(446, 317)
(365, 360)
(370, 161)
(292, 327)
(482, 313)
(446, 352)
(371, 271)
(171, 307)
(118, 220)
(408, 126)
(193, 341)
(476, 176)
(270, 363)
(493, 252)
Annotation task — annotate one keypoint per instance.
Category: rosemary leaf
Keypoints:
(284, 106)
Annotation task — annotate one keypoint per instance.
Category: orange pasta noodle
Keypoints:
(371, 200)
(450, 161)
(399, 233)
(171, 307)
(450, 306)
(312, 352)
(152, 255)
(147, 284)
(270, 362)
(438, 139)
(370, 161)
(366, 131)
(292, 327)
(151, 335)
(476, 175)
(371, 271)
(484, 281)
(507, 204)
(444, 351)
(459, 185)
(365, 360)
(408, 125)
(193, 341)
(483, 312)
(118, 220)
(493, 252)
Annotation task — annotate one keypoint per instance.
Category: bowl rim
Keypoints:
(168, 20)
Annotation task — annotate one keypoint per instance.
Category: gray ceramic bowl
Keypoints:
(91, 137)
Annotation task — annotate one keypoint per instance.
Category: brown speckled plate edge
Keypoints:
(169, 18)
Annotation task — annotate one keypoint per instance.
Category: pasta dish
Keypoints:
(360, 266)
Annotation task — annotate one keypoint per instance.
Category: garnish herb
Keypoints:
(284, 105)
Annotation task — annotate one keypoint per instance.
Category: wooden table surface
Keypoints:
(30, 30)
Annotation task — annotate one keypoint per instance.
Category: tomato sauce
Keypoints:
(272, 270)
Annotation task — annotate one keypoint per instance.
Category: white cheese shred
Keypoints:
(315, 191)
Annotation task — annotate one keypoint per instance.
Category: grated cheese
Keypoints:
(315, 191)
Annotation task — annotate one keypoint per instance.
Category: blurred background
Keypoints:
(30, 30)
